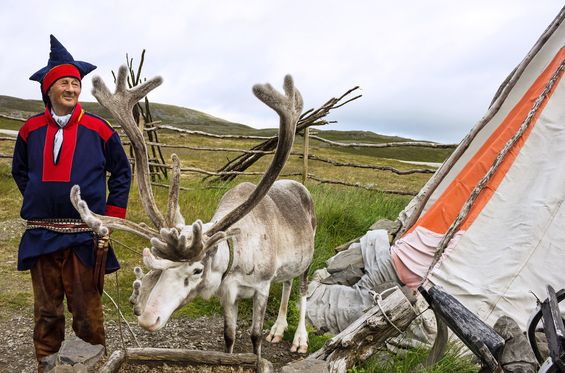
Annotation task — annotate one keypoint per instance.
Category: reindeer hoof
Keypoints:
(274, 338)
(302, 349)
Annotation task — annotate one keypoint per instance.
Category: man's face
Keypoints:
(64, 95)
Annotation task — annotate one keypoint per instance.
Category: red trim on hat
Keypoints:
(58, 72)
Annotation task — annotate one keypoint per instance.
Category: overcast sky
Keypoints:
(427, 69)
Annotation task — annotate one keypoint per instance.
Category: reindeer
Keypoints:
(258, 234)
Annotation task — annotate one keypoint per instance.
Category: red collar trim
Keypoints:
(75, 117)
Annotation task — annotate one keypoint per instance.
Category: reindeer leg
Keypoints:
(278, 329)
(300, 342)
(230, 323)
(259, 308)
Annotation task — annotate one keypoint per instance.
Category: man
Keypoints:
(55, 150)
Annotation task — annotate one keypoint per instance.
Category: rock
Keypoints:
(76, 351)
(80, 368)
(543, 347)
(352, 257)
(306, 365)
(49, 362)
(392, 227)
(517, 355)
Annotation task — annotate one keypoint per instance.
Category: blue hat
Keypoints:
(61, 64)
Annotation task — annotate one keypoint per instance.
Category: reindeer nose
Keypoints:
(147, 321)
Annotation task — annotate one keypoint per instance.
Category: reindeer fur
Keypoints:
(275, 243)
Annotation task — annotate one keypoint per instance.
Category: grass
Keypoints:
(343, 213)
(413, 360)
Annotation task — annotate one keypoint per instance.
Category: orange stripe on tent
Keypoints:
(444, 211)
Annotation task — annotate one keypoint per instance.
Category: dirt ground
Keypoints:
(16, 344)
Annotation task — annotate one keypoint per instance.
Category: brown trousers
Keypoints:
(57, 275)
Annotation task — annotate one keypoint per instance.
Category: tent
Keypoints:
(489, 226)
(496, 207)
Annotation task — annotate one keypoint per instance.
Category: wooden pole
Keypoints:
(365, 335)
(183, 355)
(114, 363)
(306, 146)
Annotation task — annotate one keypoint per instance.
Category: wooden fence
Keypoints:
(306, 155)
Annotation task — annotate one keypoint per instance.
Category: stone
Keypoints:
(352, 257)
(517, 355)
(80, 368)
(76, 351)
(62, 369)
(49, 362)
(392, 227)
(306, 365)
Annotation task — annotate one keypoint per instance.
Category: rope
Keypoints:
(377, 298)
(127, 247)
(497, 162)
(120, 314)
(119, 321)
(123, 318)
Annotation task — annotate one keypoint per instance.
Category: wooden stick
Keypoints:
(338, 182)
(197, 357)
(114, 363)
(305, 155)
(12, 118)
(223, 173)
(422, 144)
(365, 335)
(373, 167)
(245, 161)
(202, 133)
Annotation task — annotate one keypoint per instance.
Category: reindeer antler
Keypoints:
(120, 104)
(101, 223)
(174, 245)
(289, 108)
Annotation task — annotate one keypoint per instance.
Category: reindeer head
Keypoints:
(166, 287)
(178, 259)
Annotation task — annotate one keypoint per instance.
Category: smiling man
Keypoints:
(55, 150)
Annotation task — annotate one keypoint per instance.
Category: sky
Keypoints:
(427, 69)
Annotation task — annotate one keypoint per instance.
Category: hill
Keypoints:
(197, 120)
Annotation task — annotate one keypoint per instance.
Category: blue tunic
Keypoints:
(90, 148)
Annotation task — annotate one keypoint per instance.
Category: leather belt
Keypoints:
(59, 225)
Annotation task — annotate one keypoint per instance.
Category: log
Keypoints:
(196, 357)
(358, 185)
(305, 155)
(213, 135)
(114, 363)
(307, 119)
(364, 336)
(12, 118)
(372, 167)
(481, 339)
(421, 144)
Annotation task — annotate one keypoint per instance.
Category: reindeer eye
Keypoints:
(197, 271)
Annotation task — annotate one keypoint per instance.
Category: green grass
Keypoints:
(343, 213)
(413, 361)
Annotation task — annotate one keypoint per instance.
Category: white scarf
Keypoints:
(61, 121)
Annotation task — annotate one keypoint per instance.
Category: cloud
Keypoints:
(427, 69)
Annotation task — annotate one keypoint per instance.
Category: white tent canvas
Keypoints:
(512, 242)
